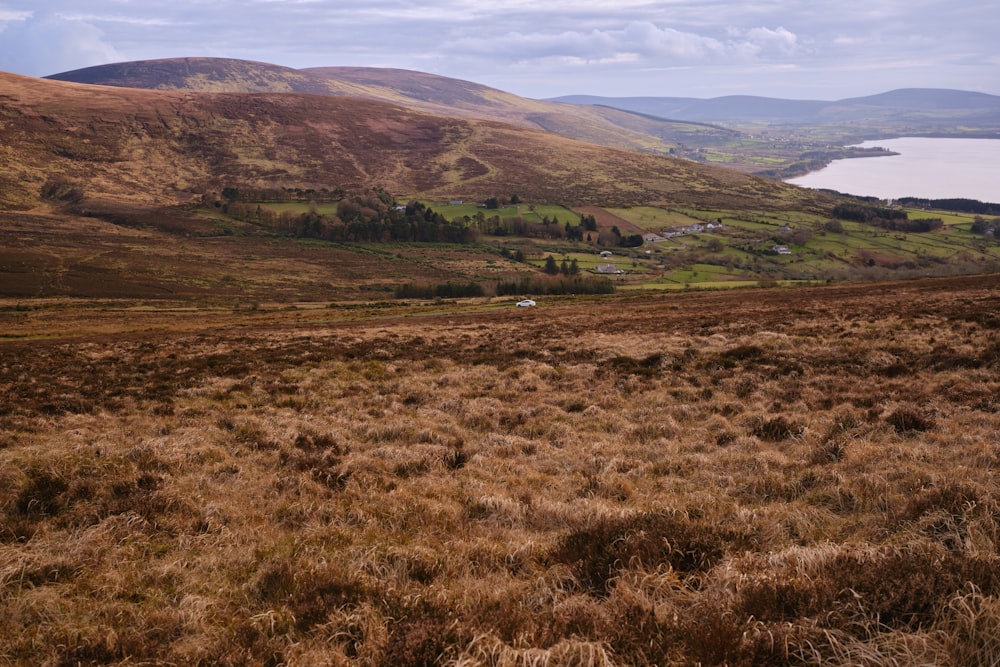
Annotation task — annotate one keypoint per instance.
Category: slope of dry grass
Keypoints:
(438, 95)
(154, 147)
(175, 255)
(775, 477)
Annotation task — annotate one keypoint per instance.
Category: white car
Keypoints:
(525, 304)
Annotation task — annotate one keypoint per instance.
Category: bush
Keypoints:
(539, 285)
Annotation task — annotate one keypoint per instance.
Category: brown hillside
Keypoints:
(216, 75)
(416, 90)
(156, 147)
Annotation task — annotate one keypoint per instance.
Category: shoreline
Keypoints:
(931, 168)
(818, 160)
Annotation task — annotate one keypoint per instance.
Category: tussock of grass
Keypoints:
(658, 487)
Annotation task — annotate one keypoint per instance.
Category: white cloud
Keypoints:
(639, 41)
(13, 15)
(779, 40)
(42, 45)
(117, 18)
(594, 45)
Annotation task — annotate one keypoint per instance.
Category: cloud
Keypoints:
(48, 44)
(778, 47)
(639, 41)
(778, 41)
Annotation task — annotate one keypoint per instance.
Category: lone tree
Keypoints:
(551, 267)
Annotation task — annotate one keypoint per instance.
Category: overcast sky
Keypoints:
(794, 49)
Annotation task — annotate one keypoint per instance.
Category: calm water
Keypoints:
(928, 168)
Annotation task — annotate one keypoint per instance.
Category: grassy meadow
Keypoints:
(749, 477)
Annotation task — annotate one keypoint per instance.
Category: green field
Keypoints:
(533, 212)
(746, 249)
(654, 219)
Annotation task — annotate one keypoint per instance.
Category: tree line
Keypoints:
(369, 217)
(526, 285)
(956, 205)
(893, 219)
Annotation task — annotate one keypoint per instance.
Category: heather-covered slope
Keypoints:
(414, 90)
(86, 142)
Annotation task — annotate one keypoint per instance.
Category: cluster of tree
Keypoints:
(630, 241)
(834, 226)
(567, 268)
(493, 203)
(799, 236)
(536, 285)
(517, 255)
(518, 226)
(919, 225)
(957, 205)
(548, 228)
(371, 216)
(981, 225)
(448, 290)
(857, 212)
(893, 219)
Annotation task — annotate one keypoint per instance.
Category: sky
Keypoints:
(792, 49)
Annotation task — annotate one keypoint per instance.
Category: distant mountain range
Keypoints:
(920, 106)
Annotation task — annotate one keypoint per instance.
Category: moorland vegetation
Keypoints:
(741, 478)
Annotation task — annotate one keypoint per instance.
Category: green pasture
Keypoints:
(752, 226)
(527, 211)
(825, 254)
(949, 218)
(587, 261)
(552, 211)
(654, 219)
(700, 273)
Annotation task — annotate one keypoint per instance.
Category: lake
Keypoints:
(927, 168)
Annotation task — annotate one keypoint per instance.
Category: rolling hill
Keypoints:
(112, 191)
(415, 90)
(913, 106)
(167, 147)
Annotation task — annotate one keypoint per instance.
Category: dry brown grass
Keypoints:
(777, 477)
(158, 148)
